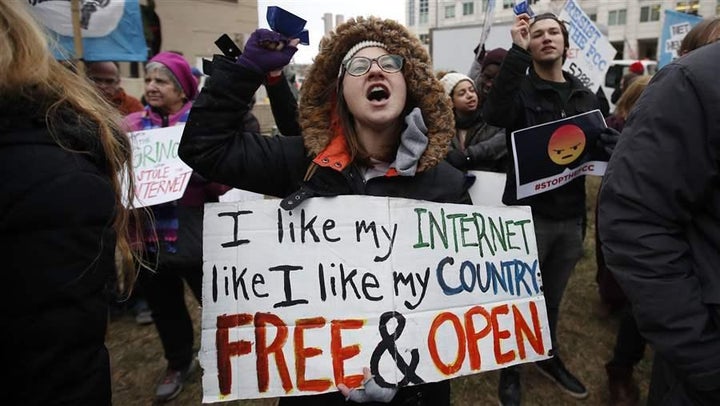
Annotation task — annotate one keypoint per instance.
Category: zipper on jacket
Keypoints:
(353, 173)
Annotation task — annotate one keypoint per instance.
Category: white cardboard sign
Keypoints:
(160, 175)
(296, 302)
(590, 51)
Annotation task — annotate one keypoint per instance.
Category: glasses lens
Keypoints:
(390, 63)
(358, 65)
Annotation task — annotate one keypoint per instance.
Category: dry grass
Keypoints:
(586, 344)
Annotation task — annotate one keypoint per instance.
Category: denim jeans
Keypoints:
(560, 247)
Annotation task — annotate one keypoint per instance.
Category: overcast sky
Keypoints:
(313, 11)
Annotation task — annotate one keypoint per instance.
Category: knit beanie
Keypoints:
(181, 70)
(450, 80)
(637, 67)
(494, 57)
(317, 106)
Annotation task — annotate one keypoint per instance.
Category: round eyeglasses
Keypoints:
(360, 65)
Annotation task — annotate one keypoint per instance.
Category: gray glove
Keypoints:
(371, 391)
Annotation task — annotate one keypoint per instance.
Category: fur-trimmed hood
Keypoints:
(424, 90)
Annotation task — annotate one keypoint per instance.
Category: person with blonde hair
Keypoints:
(627, 101)
(62, 216)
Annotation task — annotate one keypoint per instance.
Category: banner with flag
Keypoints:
(112, 30)
(675, 27)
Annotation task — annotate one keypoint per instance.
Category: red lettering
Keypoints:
(454, 367)
(340, 354)
(500, 357)
(302, 353)
(523, 330)
(263, 351)
(226, 349)
(473, 336)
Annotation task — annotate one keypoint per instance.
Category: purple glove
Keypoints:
(266, 51)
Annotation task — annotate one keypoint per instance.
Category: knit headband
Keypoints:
(360, 45)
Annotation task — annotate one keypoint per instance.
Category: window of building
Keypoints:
(450, 11)
(617, 17)
(511, 3)
(468, 8)
(424, 9)
(717, 8)
(411, 13)
(650, 13)
(689, 7)
(424, 38)
(592, 17)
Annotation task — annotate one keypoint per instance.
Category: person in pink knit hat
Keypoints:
(173, 240)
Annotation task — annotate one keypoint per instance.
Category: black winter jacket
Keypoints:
(216, 145)
(484, 148)
(659, 221)
(57, 246)
(519, 100)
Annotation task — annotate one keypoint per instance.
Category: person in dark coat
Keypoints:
(374, 121)
(62, 218)
(629, 344)
(531, 89)
(659, 227)
(476, 144)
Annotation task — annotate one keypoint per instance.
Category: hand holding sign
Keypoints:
(372, 392)
(520, 31)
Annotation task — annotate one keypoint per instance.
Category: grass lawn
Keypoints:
(586, 342)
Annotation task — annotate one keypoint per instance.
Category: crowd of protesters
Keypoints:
(373, 119)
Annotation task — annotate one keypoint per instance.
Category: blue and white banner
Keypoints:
(675, 27)
(112, 30)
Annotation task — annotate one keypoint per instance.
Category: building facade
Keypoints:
(633, 26)
(191, 28)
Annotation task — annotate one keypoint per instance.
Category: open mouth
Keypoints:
(378, 93)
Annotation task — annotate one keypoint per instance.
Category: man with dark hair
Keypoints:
(518, 100)
(106, 78)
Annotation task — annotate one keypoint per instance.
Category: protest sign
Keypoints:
(590, 52)
(160, 175)
(487, 190)
(553, 154)
(296, 302)
(675, 27)
(111, 30)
